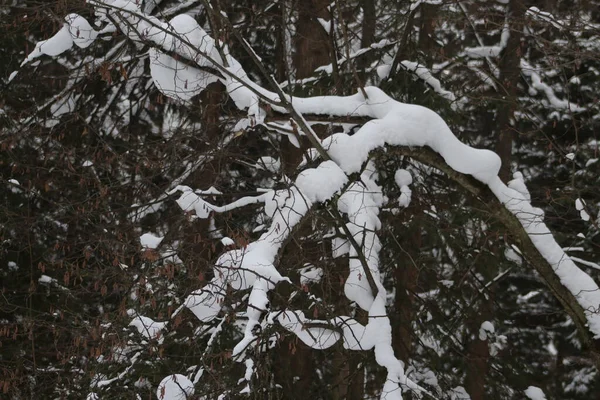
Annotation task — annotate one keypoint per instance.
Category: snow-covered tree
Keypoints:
(210, 200)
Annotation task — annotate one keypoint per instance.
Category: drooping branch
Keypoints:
(391, 124)
(490, 202)
(421, 127)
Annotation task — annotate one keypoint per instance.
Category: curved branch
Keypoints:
(498, 210)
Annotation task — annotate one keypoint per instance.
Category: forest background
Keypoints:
(136, 183)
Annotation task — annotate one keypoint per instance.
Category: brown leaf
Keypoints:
(123, 71)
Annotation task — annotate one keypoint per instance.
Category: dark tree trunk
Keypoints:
(509, 77)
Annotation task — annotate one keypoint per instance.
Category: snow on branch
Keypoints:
(253, 267)
(490, 51)
(392, 124)
(581, 285)
(423, 73)
(537, 84)
(75, 31)
(190, 201)
(544, 16)
(400, 124)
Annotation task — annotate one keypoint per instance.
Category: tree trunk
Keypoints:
(426, 32)
(368, 36)
(311, 41)
(509, 77)
(406, 274)
(478, 354)
(477, 367)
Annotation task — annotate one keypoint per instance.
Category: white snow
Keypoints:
(518, 184)
(310, 274)
(317, 338)
(392, 123)
(81, 31)
(580, 284)
(584, 215)
(325, 24)
(46, 280)
(485, 330)
(397, 124)
(403, 178)
(535, 393)
(206, 302)
(459, 393)
(172, 77)
(405, 196)
(57, 44)
(14, 186)
(249, 369)
(321, 183)
(252, 267)
(580, 206)
(416, 3)
(339, 247)
(227, 241)
(544, 16)
(247, 375)
(150, 240)
(12, 266)
(269, 163)
(536, 82)
(512, 255)
(484, 51)
(585, 262)
(383, 71)
(423, 73)
(76, 30)
(410, 125)
(149, 328)
(191, 201)
(175, 387)
(361, 203)
(490, 51)
(175, 78)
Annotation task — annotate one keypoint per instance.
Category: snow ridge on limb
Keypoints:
(253, 266)
(402, 124)
(75, 31)
(393, 123)
(423, 73)
(537, 84)
(579, 283)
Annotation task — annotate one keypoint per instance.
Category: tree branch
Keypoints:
(515, 229)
